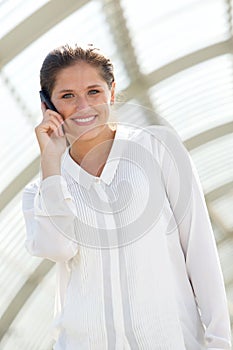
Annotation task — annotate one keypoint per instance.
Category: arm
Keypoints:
(49, 214)
(48, 209)
(204, 270)
(197, 240)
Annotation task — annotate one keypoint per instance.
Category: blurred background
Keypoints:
(175, 57)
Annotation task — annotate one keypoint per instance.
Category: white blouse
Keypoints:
(137, 263)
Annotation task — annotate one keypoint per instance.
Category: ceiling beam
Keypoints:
(190, 60)
(34, 26)
(219, 191)
(229, 12)
(117, 22)
(218, 220)
(209, 135)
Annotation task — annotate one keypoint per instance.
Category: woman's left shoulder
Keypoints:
(166, 137)
(161, 133)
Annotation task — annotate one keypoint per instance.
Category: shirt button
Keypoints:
(97, 180)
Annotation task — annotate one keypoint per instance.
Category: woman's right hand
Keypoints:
(52, 142)
(49, 133)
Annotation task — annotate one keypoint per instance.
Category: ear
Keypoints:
(113, 93)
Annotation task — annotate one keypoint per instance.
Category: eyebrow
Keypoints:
(88, 87)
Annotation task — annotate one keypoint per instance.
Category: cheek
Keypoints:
(63, 110)
(103, 109)
(66, 110)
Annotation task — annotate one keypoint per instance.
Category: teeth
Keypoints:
(84, 120)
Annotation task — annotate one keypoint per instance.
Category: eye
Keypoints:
(93, 92)
(69, 95)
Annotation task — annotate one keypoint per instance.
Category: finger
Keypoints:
(55, 129)
(58, 134)
(59, 131)
(49, 114)
(56, 119)
(56, 126)
(43, 107)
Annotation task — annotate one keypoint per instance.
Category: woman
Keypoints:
(121, 212)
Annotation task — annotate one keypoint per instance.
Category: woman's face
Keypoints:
(82, 97)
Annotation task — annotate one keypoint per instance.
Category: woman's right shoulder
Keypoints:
(29, 193)
(32, 186)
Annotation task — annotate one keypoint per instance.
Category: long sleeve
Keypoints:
(49, 214)
(198, 244)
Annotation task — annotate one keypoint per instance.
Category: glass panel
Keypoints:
(225, 250)
(224, 208)
(12, 12)
(230, 300)
(218, 232)
(163, 31)
(214, 162)
(198, 98)
(17, 143)
(16, 264)
(31, 328)
(131, 113)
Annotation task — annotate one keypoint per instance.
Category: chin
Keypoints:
(86, 135)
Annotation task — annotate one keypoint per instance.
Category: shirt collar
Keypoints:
(83, 177)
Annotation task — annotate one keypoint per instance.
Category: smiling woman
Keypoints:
(121, 212)
(80, 84)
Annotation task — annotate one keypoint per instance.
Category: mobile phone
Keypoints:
(48, 103)
(45, 98)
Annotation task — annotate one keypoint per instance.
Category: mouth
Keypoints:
(86, 120)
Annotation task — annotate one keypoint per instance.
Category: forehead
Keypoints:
(81, 72)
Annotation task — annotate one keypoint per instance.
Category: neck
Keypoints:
(92, 154)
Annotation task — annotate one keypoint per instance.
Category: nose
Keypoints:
(81, 103)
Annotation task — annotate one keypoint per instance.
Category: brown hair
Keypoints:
(66, 56)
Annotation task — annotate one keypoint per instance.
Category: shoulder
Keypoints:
(28, 194)
(167, 140)
(158, 136)
(33, 186)
(160, 140)
(160, 133)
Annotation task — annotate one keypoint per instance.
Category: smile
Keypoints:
(84, 120)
